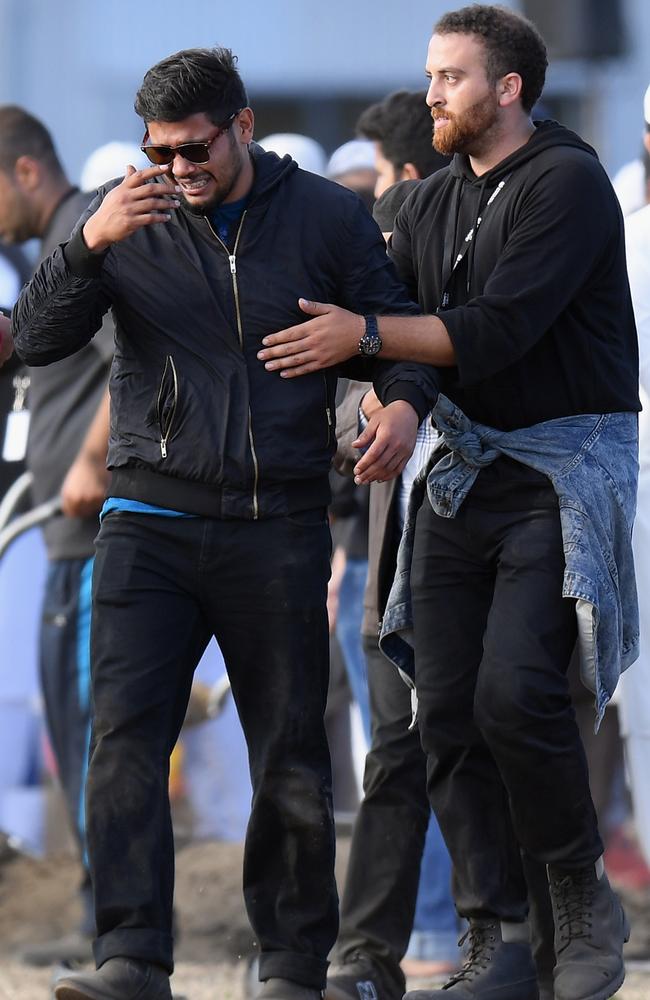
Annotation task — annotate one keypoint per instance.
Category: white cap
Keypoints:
(307, 153)
(358, 154)
(646, 106)
(110, 161)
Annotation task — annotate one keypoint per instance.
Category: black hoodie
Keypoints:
(197, 423)
(539, 309)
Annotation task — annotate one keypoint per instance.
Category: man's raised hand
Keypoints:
(134, 203)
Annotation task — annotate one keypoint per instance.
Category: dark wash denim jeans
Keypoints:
(162, 587)
(493, 640)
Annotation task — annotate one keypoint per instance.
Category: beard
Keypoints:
(465, 132)
(225, 182)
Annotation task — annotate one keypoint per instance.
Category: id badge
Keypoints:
(15, 442)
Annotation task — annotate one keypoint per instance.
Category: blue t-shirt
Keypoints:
(137, 507)
(225, 218)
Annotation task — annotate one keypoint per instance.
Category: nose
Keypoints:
(434, 96)
(182, 167)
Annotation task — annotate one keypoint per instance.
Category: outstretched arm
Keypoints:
(332, 337)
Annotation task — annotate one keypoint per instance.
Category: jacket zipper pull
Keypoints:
(233, 263)
(163, 448)
(329, 416)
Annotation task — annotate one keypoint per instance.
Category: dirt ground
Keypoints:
(38, 901)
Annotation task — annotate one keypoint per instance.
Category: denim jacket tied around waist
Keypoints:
(591, 460)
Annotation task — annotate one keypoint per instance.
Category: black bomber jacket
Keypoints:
(197, 423)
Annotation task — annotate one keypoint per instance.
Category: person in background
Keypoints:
(353, 166)
(308, 154)
(66, 453)
(397, 913)
(108, 161)
(632, 181)
(400, 129)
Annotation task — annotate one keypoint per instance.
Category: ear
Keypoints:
(509, 89)
(244, 126)
(28, 173)
(410, 173)
(646, 141)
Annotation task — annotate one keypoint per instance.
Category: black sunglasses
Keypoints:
(195, 152)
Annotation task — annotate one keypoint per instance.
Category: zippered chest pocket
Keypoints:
(167, 403)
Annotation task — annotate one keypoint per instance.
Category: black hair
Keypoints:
(402, 126)
(191, 82)
(23, 135)
(512, 42)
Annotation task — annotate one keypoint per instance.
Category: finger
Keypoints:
(385, 467)
(373, 455)
(137, 177)
(152, 205)
(311, 366)
(149, 218)
(283, 350)
(284, 336)
(293, 355)
(366, 437)
(315, 308)
(151, 190)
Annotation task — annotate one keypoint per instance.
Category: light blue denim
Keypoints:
(348, 632)
(592, 462)
(436, 927)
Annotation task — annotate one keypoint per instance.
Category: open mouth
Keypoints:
(195, 186)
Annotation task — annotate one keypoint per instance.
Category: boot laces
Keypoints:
(482, 942)
(573, 895)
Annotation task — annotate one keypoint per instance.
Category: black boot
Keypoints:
(286, 989)
(499, 966)
(359, 976)
(590, 930)
(117, 979)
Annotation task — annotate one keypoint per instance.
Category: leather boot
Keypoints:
(117, 979)
(499, 966)
(590, 930)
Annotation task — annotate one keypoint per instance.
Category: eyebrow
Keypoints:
(446, 69)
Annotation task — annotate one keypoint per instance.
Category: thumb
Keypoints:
(366, 437)
(130, 170)
(314, 308)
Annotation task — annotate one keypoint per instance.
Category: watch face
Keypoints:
(370, 345)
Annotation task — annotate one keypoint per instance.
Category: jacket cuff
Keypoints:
(83, 262)
(412, 394)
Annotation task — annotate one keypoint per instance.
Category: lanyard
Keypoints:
(468, 240)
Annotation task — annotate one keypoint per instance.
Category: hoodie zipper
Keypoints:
(232, 259)
(328, 411)
(165, 432)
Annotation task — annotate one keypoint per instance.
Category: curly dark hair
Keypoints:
(190, 82)
(512, 42)
(401, 124)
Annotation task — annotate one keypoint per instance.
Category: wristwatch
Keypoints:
(371, 343)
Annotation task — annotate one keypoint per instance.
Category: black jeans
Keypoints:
(493, 639)
(381, 885)
(162, 587)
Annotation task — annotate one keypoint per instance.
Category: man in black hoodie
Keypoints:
(216, 522)
(516, 255)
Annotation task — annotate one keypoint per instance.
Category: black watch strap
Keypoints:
(370, 344)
